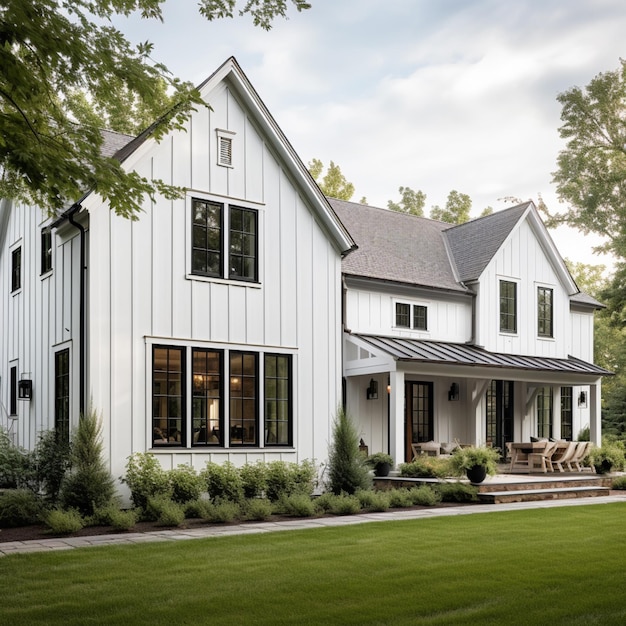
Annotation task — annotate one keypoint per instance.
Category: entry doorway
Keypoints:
(418, 415)
(500, 410)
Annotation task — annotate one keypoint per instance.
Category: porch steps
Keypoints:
(546, 489)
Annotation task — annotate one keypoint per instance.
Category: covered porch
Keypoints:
(402, 391)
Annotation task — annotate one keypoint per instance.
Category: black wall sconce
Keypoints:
(453, 394)
(372, 390)
(25, 389)
(582, 399)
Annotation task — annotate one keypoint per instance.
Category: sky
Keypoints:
(434, 95)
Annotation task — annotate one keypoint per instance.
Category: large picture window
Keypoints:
(544, 311)
(217, 227)
(168, 396)
(62, 394)
(508, 306)
(278, 400)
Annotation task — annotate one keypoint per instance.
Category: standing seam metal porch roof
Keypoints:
(442, 353)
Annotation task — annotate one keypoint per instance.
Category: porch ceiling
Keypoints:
(441, 353)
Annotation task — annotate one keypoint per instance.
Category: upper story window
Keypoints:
(46, 250)
(508, 306)
(411, 316)
(217, 227)
(545, 303)
(16, 269)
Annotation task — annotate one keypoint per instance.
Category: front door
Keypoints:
(418, 414)
(500, 413)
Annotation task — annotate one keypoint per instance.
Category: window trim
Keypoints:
(542, 318)
(509, 315)
(232, 376)
(195, 440)
(410, 315)
(62, 423)
(46, 261)
(166, 443)
(16, 269)
(289, 400)
(13, 390)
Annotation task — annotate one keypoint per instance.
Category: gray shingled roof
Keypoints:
(113, 142)
(474, 243)
(396, 247)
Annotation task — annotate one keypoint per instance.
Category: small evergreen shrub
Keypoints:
(223, 481)
(64, 522)
(424, 466)
(347, 469)
(197, 509)
(52, 460)
(584, 434)
(19, 507)
(399, 498)
(145, 478)
(457, 492)
(185, 483)
(324, 502)
(171, 514)
(375, 501)
(345, 504)
(424, 496)
(257, 509)
(222, 512)
(155, 506)
(619, 483)
(286, 479)
(296, 505)
(254, 479)
(16, 465)
(123, 520)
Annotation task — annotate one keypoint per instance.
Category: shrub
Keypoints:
(424, 466)
(254, 479)
(296, 505)
(145, 478)
(258, 509)
(457, 492)
(171, 514)
(424, 496)
(52, 459)
(347, 470)
(64, 522)
(399, 498)
(19, 507)
(185, 484)
(324, 502)
(466, 458)
(89, 484)
(112, 516)
(222, 512)
(197, 509)
(345, 504)
(286, 479)
(223, 481)
(619, 483)
(608, 458)
(376, 501)
(584, 434)
(16, 467)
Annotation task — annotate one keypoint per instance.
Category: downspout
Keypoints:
(82, 308)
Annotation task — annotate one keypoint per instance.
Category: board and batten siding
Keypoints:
(522, 260)
(142, 291)
(373, 312)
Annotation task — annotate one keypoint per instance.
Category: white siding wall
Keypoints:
(142, 291)
(581, 340)
(374, 312)
(522, 260)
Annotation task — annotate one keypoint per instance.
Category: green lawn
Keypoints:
(553, 566)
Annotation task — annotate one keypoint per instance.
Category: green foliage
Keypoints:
(347, 470)
(145, 478)
(457, 492)
(198, 509)
(64, 522)
(185, 484)
(111, 515)
(254, 479)
(619, 483)
(465, 458)
(400, 498)
(285, 479)
(257, 509)
(52, 460)
(222, 512)
(261, 11)
(296, 505)
(375, 501)
(223, 481)
(608, 458)
(457, 209)
(424, 466)
(89, 484)
(584, 434)
(412, 202)
(164, 511)
(334, 184)
(379, 458)
(343, 504)
(424, 496)
(15, 464)
(19, 507)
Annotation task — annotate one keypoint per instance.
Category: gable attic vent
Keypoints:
(225, 147)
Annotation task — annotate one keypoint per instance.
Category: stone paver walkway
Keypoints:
(179, 534)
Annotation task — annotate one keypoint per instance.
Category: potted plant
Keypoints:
(476, 462)
(381, 463)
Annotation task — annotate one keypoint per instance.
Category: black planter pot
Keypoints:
(476, 474)
(382, 469)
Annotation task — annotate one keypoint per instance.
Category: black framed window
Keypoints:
(16, 269)
(168, 396)
(278, 408)
(403, 315)
(508, 306)
(207, 411)
(13, 390)
(46, 250)
(62, 394)
(567, 396)
(544, 412)
(545, 311)
(420, 317)
(207, 244)
(243, 396)
(243, 244)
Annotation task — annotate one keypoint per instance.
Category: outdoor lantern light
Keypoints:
(372, 390)
(25, 389)
(453, 394)
(582, 399)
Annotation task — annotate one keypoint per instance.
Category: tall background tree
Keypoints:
(411, 202)
(457, 209)
(58, 58)
(333, 184)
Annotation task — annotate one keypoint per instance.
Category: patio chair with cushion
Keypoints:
(563, 454)
(542, 458)
(582, 450)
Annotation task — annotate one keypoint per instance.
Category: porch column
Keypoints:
(595, 421)
(396, 417)
(556, 412)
